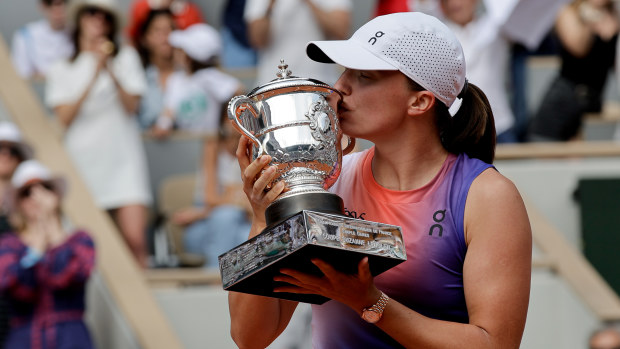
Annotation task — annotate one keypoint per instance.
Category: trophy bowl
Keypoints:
(293, 120)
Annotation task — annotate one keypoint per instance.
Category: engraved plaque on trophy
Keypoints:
(291, 120)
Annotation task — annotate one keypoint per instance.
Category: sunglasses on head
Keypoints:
(13, 150)
(27, 190)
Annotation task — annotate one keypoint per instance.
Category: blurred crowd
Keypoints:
(113, 80)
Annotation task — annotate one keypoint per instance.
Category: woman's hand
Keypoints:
(257, 176)
(105, 48)
(357, 291)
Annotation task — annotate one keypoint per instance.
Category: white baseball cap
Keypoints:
(200, 41)
(416, 44)
(30, 171)
(9, 133)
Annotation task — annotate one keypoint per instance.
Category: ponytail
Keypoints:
(472, 129)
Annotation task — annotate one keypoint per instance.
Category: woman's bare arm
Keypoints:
(255, 320)
(575, 35)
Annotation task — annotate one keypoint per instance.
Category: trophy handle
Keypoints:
(350, 145)
(236, 106)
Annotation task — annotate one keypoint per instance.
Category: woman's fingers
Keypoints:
(296, 282)
(275, 191)
(293, 289)
(262, 182)
(242, 153)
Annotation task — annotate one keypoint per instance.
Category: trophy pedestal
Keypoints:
(289, 206)
(339, 240)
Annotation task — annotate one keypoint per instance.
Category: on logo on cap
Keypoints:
(373, 39)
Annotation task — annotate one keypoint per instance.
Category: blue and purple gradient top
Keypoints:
(431, 280)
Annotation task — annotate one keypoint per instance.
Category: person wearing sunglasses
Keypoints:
(44, 266)
(96, 95)
(13, 150)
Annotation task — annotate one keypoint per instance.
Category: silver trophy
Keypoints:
(293, 120)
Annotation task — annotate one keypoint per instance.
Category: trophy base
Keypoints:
(286, 207)
(341, 241)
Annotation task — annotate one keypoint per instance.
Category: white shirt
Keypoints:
(196, 99)
(487, 55)
(37, 46)
(292, 25)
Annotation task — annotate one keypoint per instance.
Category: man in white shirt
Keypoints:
(37, 45)
(281, 29)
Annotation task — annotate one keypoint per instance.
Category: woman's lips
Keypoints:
(342, 108)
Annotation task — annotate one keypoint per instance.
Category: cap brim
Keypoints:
(347, 53)
(25, 151)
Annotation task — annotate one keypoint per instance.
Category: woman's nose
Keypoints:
(342, 84)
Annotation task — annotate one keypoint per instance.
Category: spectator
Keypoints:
(236, 50)
(94, 95)
(12, 151)
(195, 95)
(39, 44)
(280, 29)
(587, 31)
(156, 54)
(605, 338)
(43, 267)
(487, 53)
(185, 13)
(219, 221)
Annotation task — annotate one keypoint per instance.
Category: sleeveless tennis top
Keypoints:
(431, 217)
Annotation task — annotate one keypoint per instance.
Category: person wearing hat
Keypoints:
(95, 95)
(466, 280)
(43, 266)
(195, 94)
(195, 97)
(13, 150)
